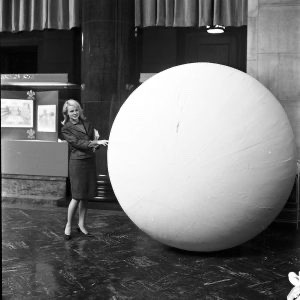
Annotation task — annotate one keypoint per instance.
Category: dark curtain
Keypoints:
(21, 15)
(190, 13)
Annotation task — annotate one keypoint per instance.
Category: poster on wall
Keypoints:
(46, 118)
(16, 113)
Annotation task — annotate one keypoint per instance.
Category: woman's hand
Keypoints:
(97, 143)
(102, 142)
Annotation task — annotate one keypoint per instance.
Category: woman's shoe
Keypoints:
(86, 234)
(68, 237)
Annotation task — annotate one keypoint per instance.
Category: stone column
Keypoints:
(107, 63)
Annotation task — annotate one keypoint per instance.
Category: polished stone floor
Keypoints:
(121, 262)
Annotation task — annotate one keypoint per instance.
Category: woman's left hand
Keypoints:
(102, 142)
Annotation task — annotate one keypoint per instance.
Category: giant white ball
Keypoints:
(202, 157)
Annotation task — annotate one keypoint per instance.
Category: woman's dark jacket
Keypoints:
(79, 139)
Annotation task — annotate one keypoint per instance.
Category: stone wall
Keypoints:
(273, 53)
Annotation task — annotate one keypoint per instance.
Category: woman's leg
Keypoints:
(83, 206)
(71, 212)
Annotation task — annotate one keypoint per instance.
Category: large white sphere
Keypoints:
(202, 157)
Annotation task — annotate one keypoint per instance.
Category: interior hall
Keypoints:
(150, 149)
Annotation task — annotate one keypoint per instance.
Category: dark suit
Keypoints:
(82, 163)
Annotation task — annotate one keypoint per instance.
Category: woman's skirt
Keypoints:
(83, 178)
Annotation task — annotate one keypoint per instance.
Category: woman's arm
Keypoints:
(74, 141)
(96, 142)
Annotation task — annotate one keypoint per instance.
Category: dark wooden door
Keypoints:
(228, 48)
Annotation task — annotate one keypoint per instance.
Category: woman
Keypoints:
(83, 141)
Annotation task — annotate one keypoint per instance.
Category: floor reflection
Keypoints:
(121, 262)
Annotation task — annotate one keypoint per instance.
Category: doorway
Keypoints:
(161, 48)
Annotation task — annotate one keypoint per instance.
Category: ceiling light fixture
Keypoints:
(215, 29)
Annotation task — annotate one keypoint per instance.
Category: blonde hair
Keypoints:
(71, 102)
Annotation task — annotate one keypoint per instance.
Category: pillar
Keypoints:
(107, 63)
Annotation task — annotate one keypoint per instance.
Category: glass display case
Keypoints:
(34, 162)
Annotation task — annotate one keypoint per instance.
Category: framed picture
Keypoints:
(46, 118)
(16, 113)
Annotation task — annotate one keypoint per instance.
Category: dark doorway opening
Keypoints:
(19, 59)
(160, 48)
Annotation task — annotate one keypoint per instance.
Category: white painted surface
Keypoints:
(202, 157)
